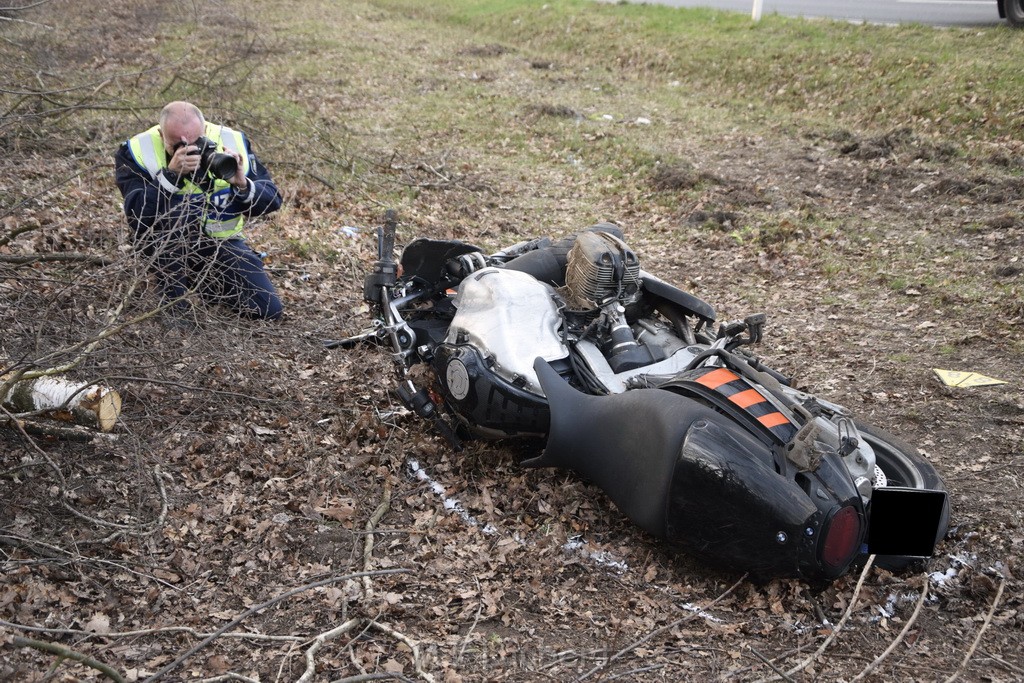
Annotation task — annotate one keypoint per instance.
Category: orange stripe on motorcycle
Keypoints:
(717, 378)
(773, 420)
(745, 399)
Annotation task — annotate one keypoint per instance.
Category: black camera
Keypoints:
(217, 164)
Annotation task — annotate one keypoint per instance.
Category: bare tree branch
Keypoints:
(258, 608)
(62, 257)
(637, 643)
(899, 638)
(67, 653)
(22, 8)
(842, 622)
(981, 631)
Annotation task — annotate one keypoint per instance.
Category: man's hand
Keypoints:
(185, 161)
(238, 181)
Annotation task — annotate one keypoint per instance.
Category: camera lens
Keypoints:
(223, 166)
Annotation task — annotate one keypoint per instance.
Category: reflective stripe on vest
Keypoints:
(147, 148)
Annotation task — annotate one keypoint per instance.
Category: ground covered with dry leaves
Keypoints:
(266, 509)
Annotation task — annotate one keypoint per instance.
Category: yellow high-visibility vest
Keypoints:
(148, 150)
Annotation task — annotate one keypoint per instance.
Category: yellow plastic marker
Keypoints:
(957, 378)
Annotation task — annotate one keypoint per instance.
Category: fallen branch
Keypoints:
(977, 639)
(91, 405)
(7, 238)
(258, 608)
(229, 677)
(318, 643)
(476, 620)
(1003, 663)
(637, 643)
(75, 433)
(770, 665)
(371, 524)
(899, 638)
(21, 541)
(148, 632)
(839, 627)
(26, 21)
(67, 257)
(135, 530)
(417, 663)
(67, 653)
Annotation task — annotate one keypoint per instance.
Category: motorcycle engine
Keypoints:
(601, 268)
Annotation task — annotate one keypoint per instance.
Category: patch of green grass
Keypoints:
(963, 81)
(897, 283)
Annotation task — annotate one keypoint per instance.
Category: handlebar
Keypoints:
(385, 270)
(386, 237)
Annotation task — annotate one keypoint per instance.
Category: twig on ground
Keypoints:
(66, 257)
(284, 661)
(21, 541)
(135, 530)
(148, 632)
(782, 655)
(476, 620)
(77, 433)
(189, 387)
(899, 638)
(67, 653)
(1003, 663)
(977, 639)
(318, 643)
(416, 660)
(633, 672)
(262, 606)
(637, 643)
(768, 662)
(371, 524)
(229, 677)
(839, 627)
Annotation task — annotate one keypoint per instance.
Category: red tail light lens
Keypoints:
(842, 538)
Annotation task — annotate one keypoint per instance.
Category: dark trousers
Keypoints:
(222, 271)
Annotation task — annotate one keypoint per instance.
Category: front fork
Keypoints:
(377, 287)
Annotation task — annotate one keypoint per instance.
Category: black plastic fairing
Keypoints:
(730, 507)
(489, 405)
(425, 259)
(688, 473)
(626, 444)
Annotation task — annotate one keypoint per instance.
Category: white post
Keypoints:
(756, 13)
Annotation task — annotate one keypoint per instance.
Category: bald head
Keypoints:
(181, 122)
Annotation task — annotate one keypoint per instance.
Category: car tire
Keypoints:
(1014, 12)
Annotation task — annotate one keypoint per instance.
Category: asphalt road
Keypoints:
(934, 12)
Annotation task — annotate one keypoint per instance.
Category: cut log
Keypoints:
(83, 404)
(58, 430)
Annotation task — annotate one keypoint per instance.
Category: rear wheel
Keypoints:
(1014, 12)
(903, 466)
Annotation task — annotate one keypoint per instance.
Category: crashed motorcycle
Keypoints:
(638, 388)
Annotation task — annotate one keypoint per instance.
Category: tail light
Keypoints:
(842, 538)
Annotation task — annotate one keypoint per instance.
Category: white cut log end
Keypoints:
(106, 404)
(62, 399)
